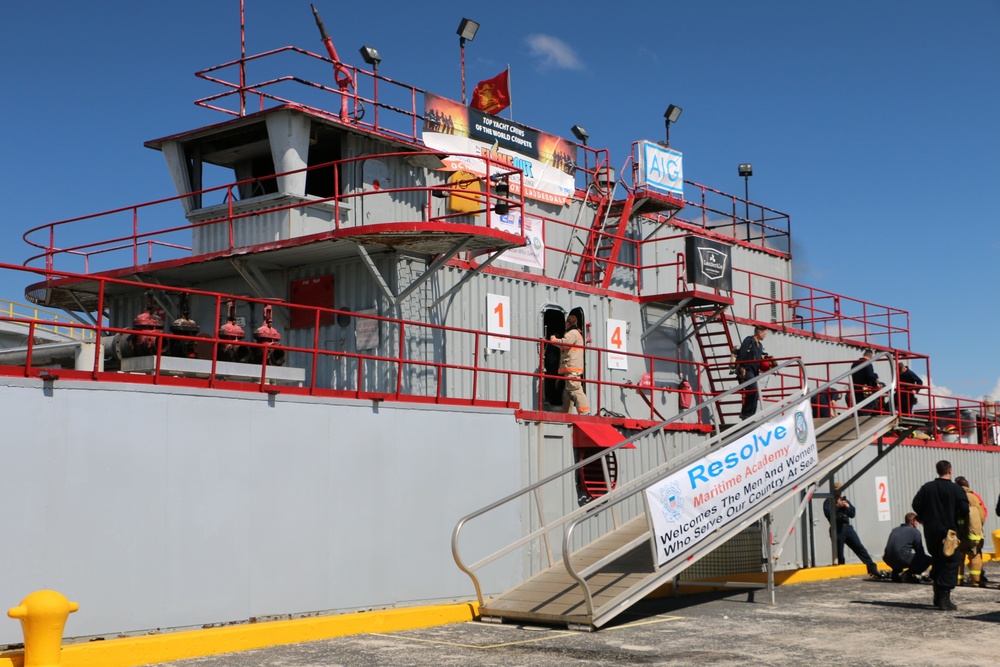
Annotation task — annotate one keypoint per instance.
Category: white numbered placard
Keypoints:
(616, 344)
(498, 322)
(882, 498)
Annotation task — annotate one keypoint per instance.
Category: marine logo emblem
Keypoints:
(801, 428)
(671, 501)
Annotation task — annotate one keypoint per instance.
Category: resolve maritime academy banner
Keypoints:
(696, 501)
(709, 263)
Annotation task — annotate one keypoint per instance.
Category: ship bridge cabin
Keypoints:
(409, 247)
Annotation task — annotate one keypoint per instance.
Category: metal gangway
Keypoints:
(606, 561)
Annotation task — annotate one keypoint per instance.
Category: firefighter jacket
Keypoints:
(977, 515)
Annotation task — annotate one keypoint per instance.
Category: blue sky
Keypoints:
(873, 124)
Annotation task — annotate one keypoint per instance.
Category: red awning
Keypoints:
(590, 435)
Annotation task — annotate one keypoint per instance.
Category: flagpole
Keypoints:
(510, 96)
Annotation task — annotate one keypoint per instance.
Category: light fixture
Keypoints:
(502, 189)
(370, 55)
(582, 136)
(671, 115)
(746, 171)
(467, 30)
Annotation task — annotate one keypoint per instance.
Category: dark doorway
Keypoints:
(553, 324)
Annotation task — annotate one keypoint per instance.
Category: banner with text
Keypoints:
(532, 254)
(660, 169)
(693, 503)
(547, 161)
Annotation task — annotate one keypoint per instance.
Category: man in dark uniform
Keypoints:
(748, 360)
(904, 551)
(909, 385)
(865, 382)
(942, 506)
(846, 535)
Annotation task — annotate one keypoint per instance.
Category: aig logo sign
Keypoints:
(661, 169)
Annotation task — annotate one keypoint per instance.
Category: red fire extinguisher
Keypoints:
(685, 395)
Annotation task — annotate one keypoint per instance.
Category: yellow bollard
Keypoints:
(996, 544)
(43, 617)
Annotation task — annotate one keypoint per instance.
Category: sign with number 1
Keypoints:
(498, 322)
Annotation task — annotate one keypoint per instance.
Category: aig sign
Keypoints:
(660, 169)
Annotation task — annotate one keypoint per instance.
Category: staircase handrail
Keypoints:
(664, 470)
(544, 528)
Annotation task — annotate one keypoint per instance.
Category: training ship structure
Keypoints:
(318, 378)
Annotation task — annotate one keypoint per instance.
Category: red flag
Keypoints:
(492, 95)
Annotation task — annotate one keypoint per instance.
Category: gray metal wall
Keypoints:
(160, 508)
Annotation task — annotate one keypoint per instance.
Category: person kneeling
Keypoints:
(904, 551)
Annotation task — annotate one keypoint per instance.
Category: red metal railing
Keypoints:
(150, 225)
(410, 373)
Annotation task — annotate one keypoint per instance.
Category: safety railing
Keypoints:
(402, 360)
(57, 325)
(139, 230)
(729, 216)
(820, 313)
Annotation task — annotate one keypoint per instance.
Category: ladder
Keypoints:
(600, 255)
(711, 331)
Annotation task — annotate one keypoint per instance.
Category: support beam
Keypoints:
(670, 313)
(467, 277)
(435, 265)
(259, 283)
(375, 274)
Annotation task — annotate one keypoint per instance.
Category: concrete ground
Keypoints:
(839, 622)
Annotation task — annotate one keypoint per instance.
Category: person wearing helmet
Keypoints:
(748, 366)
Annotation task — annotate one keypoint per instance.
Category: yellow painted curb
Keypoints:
(167, 647)
(150, 649)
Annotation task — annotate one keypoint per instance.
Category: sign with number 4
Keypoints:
(616, 344)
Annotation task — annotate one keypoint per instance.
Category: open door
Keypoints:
(554, 324)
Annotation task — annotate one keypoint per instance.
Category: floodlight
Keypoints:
(467, 30)
(370, 55)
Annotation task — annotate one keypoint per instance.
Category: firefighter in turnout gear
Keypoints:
(972, 545)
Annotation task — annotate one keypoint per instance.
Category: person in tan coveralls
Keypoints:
(571, 366)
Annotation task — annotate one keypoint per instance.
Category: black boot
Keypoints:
(944, 602)
(937, 596)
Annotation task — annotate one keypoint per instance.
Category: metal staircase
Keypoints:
(711, 331)
(606, 561)
(597, 266)
(603, 247)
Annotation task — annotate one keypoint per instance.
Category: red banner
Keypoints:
(492, 95)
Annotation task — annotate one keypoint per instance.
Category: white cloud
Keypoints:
(553, 52)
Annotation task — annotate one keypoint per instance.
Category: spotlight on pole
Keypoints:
(671, 115)
(582, 136)
(370, 55)
(746, 171)
(466, 33)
